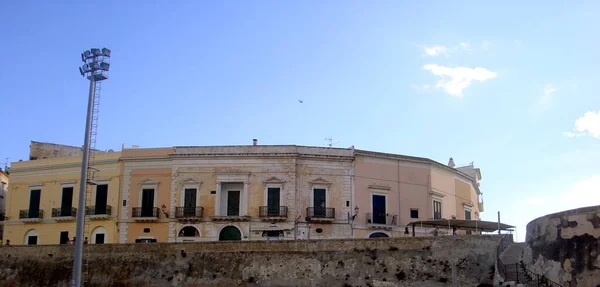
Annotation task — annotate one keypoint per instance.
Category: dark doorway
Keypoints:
(66, 202)
(319, 202)
(99, 238)
(34, 203)
(379, 209)
(233, 203)
(378, 235)
(32, 240)
(189, 202)
(64, 237)
(101, 198)
(437, 210)
(230, 233)
(148, 203)
(273, 201)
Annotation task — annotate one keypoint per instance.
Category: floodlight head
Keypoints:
(104, 66)
(106, 52)
(82, 58)
(95, 51)
(81, 71)
(87, 54)
(95, 66)
(85, 68)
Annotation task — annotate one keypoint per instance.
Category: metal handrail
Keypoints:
(64, 212)
(390, 219)
(94, 210)
(320, 212)
(534, 278)
(26, 214)
(272, 211)
(142, 212)
(188, 211)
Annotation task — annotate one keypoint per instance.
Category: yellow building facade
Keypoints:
(191, 193)
(43, 197)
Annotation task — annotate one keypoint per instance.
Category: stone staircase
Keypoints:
(510, 257)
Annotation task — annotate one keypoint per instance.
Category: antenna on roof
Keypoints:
(331, 143)
(6, 163)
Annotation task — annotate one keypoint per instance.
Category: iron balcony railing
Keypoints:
(145, 212)
(320, 212)
(187, 211)
(383, 219)
(98, 210)
(64, 212)
(30, 214)
(273, 211)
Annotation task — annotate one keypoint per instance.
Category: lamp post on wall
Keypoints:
(95, 68)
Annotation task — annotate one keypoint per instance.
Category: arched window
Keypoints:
(31, 237)
(378, 235)
(230, 233)
(189, 231)
(99, 235)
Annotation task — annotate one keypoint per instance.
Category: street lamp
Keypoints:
(96, 64)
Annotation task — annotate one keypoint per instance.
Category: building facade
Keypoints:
(256, 192)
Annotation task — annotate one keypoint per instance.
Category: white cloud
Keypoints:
(455, 80)
(435, 50)
(583, 193)
(517, 43)
(545, 101)
(588, 124)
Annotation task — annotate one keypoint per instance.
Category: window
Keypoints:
(414, 213)
(437, 209)
(34, 203)
(101, 199)
(31, 237)
(319, 202)
(467, 214)
(66, 203)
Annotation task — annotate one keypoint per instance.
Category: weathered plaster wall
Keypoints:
(565, 246)
(371, 262)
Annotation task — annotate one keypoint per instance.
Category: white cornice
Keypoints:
(60, 165)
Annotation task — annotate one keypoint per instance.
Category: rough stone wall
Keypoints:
(565, 247)
(40, 150)
(370, 262)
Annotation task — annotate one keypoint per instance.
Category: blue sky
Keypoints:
(510, 87)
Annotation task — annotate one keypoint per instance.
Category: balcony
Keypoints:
(480, 205)
(323, 214)
(384, 221)
(64, 214)
(98, 212)
(273, 213)
(27, 215)
(145, 214)
(189, 213)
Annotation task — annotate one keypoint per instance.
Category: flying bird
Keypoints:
(300, 101)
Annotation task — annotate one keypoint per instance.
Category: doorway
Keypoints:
(230, 233)
(148, 203)
(233, 203)
(273, 201)
(189, 202)
(379, 212)
(319, 202)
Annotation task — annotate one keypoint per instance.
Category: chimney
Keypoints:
(451, 163)
(254, 142)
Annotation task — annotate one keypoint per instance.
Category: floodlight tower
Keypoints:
(96, 63)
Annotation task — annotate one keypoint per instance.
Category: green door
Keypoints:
(230, 233)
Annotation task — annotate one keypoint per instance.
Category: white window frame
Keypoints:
(99, 230)
(35, 187)
(30, 233)
(101, 182)
(182, 193)
(312, 195)
(148, 184)
(64, 185)
(274, 185)
(465, 212)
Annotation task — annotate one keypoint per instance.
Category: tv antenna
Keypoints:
(331, 143)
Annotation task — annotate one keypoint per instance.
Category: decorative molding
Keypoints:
(435, 193)
(468, 204)
(35, 185)
(148, 181)
(374, 186)
(70, 182)
(274, 179)
(320, 181)
(233, 177)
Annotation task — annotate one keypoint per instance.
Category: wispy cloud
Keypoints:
(517, 43)
(436, 50)
(455, 80)
(445, 50)
(545, 101)
(588, 124)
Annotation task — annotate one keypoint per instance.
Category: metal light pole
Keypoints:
(96, 63)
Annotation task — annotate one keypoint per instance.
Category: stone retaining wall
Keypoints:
(371, 262)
